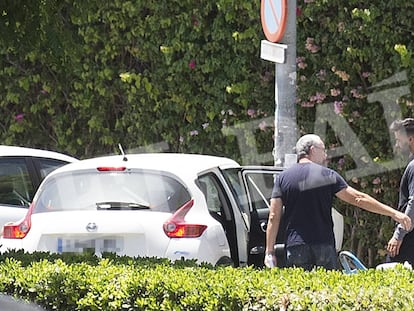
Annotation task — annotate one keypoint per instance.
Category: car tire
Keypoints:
(225, 261)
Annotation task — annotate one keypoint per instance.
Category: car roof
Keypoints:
(176, 163)
(16, 151)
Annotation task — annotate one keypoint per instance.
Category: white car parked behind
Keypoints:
(176, 206)
(21, 172)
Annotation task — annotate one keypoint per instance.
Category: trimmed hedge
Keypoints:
(121, 283)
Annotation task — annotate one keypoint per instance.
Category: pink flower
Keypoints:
(302, 65)
(263, 125)
(194, 20)
(356, 114)
(338, 107)
(335, 92)
(356, 93)
(321, 74)
(311, 46)
(376, 181)
(19, 117)
(366, 74)
(318, 97)
(301, 62)
(194, 133)
(251, 112)
(192, 64)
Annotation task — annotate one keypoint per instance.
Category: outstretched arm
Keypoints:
(366, 202)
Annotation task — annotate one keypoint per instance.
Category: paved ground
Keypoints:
(8, 303)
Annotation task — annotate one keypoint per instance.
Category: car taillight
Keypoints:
(18, 230)
(111, 169)
(176, 227)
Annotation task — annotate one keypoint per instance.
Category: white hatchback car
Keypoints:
(21, 172)
(176, 206)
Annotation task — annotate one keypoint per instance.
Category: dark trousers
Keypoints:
(312, 256)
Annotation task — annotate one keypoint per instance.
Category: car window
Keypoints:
(16, 187)
(233, 179)
(91, 190)
(215, 198)
(48, 165)
(211, 194)
(260, 186)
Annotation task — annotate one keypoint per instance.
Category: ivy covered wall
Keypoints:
(81, 77)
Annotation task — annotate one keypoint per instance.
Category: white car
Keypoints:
(176, 206)
(21, 172)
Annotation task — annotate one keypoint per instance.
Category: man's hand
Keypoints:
(404, 220)
(393, 247)
(270, 260)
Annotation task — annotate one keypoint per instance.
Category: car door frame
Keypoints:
(259, 217)
(236, 227)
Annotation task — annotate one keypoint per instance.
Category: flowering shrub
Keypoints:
(82, 76)
(346, 50)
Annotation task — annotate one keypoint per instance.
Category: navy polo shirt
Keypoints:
(307, 191)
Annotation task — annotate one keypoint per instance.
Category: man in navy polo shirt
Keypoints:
(306, 190)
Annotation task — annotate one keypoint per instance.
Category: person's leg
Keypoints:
(325, 256)
(299, 256)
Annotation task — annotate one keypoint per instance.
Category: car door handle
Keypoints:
(263, 225)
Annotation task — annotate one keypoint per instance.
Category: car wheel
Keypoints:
(225, 261)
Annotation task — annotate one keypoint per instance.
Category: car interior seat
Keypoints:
(7, 194)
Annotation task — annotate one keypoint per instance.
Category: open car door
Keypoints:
(258, 181)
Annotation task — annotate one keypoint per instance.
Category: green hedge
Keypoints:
(88, 283)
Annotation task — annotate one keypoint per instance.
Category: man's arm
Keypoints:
(400, 232)
(394, 244)
(275, 215)
(366, 202)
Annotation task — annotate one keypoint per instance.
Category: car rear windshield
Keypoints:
(125, 190)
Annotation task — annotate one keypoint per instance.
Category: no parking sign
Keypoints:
(273, 15)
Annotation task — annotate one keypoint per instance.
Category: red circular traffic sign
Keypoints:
(273, 15)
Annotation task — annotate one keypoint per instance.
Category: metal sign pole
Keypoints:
(285, 95)
(284, 55)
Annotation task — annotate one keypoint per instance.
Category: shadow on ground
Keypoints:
(8, 303)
